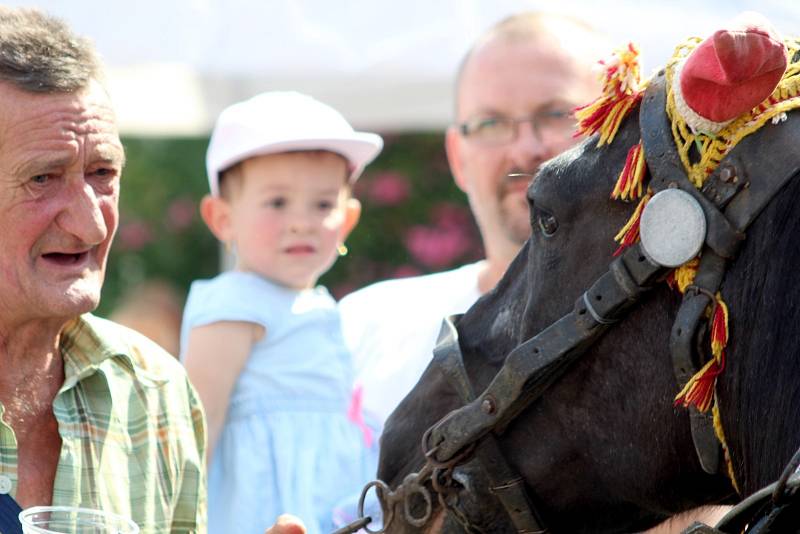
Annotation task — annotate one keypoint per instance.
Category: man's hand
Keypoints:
(710, 515)
(287, 524)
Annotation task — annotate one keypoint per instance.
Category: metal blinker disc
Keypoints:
(673, 228)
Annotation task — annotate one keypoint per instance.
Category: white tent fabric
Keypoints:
(386, 64)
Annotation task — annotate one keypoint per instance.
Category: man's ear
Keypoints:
(352, 212)
(216, 213)
(452, 144)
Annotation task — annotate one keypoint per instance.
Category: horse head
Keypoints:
(605, 448)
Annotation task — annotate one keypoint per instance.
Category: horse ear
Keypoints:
(732, 71)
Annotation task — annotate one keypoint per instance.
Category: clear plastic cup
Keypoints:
(71, 520)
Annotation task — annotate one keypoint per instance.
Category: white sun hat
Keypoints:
(285, 121)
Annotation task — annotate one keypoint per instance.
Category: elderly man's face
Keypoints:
(512, 80)
(60, 165)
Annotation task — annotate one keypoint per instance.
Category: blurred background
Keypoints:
(387, 65)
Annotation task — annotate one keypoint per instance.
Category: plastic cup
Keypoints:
(71, 520)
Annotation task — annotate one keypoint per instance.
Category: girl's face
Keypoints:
(288, 214)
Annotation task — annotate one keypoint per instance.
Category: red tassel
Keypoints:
(699, 390)
(629, 234)
(629, 183)
(622, 91)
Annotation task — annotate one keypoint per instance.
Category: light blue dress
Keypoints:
(288, 444)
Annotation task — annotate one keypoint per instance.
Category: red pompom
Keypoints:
(734, 70)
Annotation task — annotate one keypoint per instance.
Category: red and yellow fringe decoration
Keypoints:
(629, 184)
(720, 433)
(629, 234)
(699, 390)
(682, 277)
(622, 91)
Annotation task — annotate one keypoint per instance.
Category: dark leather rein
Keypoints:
(731, 199)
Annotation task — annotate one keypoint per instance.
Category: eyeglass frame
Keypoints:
(467, 128)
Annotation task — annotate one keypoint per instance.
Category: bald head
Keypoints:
(556, 39)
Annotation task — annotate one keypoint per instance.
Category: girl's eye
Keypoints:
(325, 205)
(277, 203)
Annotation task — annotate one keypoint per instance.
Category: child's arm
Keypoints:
(215, 355)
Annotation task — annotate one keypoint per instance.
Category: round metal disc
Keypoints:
(673, 228)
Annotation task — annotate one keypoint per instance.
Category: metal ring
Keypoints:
(380, 486)
(429, 452)
(418, 522)
(439, 479)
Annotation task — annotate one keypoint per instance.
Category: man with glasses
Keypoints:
(515, 92)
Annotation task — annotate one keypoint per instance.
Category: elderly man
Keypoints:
(91, 414)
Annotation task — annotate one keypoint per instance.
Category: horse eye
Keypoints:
(548, 223)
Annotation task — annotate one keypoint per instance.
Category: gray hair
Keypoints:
(41, 54)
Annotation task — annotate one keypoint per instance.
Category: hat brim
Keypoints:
(359, 150)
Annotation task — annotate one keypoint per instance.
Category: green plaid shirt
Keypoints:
(132, 430)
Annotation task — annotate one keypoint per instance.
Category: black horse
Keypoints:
(604, 449)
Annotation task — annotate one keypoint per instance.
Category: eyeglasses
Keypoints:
(552, 124)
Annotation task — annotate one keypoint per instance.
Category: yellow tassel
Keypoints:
(683, 276)
(719, 330)
(629, 234)
(622, 91)
(699, 390)
(720, 433)
(629, 183)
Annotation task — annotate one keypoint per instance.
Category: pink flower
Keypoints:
(447, 215)
(437, 246)
(180, 214)
(388, 189)
(134, 235)
(404, 271)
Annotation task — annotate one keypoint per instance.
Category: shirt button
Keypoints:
(5, 484)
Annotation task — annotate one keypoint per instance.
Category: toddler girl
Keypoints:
(262, 343)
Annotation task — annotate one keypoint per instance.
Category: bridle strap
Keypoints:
(531, 367)
(688, 330)
(686, 339)
(506, 485)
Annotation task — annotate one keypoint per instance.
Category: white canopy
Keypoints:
(385, 64)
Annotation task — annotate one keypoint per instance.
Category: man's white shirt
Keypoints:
(391, 329)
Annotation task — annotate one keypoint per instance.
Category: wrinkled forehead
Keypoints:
(59, 121)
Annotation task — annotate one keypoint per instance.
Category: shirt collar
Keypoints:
(88, 342)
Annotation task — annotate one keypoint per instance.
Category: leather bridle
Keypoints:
(731, 199)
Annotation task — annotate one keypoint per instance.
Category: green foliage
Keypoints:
(414, 219)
